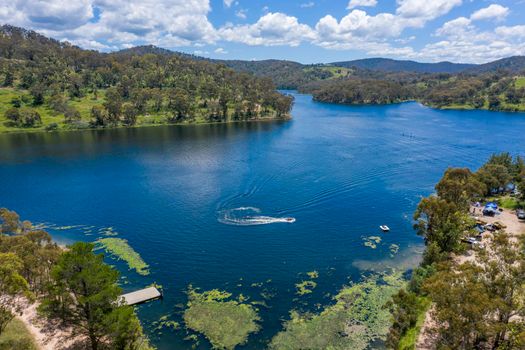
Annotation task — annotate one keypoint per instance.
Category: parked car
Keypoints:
(490, 227)
(473, 242)
(520, 213)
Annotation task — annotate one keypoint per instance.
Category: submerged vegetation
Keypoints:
(357, 318)
(305, 287)
(120, 248)
(225, 322)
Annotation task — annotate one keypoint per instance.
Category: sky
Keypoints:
(307, 31)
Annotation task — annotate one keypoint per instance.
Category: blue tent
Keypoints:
(491, 205)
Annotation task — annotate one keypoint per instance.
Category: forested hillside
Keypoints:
(498, 85)
(502, 90)
(389, 65)
(53, 85)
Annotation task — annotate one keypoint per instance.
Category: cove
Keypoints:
(339, 171)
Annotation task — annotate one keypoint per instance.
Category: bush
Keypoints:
(52, 127)
(13, 115)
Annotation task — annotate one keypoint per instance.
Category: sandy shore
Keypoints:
(48, 335)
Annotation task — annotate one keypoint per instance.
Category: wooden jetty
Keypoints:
(141, 296)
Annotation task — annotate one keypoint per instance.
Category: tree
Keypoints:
(13, 115)
(29, 118)
(180, 105)
(462, 306)
(405, 310)
(37, 91)
(129, 113)
(84, 292)
(459, 186)
(502, 272)
(113, 105)
(8, 78)
(441, 224)
(494, 102)
(494, 176)
(11, 285)
(99, 116)
(9, 221)
(71, 115)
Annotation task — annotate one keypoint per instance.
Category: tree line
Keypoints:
(180, 89)
(73, 286)
(499, 91)
(477, 304)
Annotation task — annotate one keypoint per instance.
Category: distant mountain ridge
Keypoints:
(391, 65)
(513, 64)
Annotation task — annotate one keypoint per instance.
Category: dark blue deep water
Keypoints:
(340, 171)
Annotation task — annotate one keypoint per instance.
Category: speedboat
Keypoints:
(384, 228)
(289, 220)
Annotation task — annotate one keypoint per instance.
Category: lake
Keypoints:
(174, 193)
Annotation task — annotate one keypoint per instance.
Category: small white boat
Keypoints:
(384, 228)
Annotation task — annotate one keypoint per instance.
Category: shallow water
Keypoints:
(339, 171)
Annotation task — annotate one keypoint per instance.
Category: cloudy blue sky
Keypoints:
(307, 31)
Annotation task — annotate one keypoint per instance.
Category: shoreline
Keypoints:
(140, 126)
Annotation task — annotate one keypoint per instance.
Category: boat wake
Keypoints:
(249, 216)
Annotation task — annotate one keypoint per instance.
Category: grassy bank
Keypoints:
(408, 341)
(17, 336)
(53, 121)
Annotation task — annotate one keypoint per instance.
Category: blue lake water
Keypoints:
(340, 171)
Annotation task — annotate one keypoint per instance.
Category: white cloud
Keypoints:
(511, 32)
(361, 3)
(228, 3)
(120, 23)
(50, 14)
(463, 41)
(221, 51)
(271, 29)
(241, 14)
(419, 12)
(307, 4)
(494, 11)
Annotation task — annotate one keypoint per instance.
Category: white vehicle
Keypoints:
(384, 228)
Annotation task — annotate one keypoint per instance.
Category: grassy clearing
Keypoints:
(17, 336)
(357, 318)
(121, 249)
(507, 202)
(226, 323)
(520, 82)
(408, 341)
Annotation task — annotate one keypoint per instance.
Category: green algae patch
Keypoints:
(165, 323)
(120, 248)
(313, 274)
(372, 241)
(305, 287)
(357, 318)
(224, 321)
(394, 249)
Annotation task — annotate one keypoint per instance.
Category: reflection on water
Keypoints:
(340, 171)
